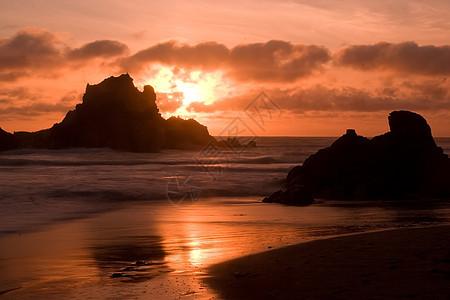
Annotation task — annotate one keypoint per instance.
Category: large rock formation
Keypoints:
(402, 163)
(115, 114)
(7, 141)
(180, 133)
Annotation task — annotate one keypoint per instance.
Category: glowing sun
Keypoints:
(178, 88)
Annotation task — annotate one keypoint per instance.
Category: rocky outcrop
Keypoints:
(7, 141)
(182, 134)
(403, 163)
(298, 196)
(115, 114)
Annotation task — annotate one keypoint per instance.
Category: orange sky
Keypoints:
(324, 65)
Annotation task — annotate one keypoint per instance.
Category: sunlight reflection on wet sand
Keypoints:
(159, 250)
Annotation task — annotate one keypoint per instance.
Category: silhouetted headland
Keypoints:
(114, 114)
(402, 163)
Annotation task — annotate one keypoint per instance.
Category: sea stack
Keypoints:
(115, 114)
(404, 163)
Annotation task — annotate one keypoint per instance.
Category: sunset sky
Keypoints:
(326, 65)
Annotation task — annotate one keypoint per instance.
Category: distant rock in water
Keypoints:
(402, 163)
(7, 141)
(115, 114)
(299, 196)
(181, 134)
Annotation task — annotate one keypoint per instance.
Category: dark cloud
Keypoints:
(22, 101)
(347, 99)
(433, 89)
(13, 96)
(30, 48)
(404, 57)
(35, 109)
(39, 52)
(103, 48)
(208, 56)
(17, 92)
(275, 61)
(11, 76)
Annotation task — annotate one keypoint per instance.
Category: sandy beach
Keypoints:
(160, 251)
(210, 251)
(394, 264)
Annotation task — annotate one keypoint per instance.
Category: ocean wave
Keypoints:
(22, 162)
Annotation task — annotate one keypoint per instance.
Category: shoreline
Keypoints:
(117, 206)
(77, 258)
(387, 264)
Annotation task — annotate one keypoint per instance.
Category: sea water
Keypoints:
(39, 187)
(71, 219)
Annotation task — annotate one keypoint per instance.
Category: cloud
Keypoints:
(405, 57)
(17, 96)
(21, 101)
(18, 93)
(35, 109)
(30, 48)
(206, 56)
(42, 53)
(408, 95)
(276, 61)
(5, 75)
(102, 48)
(35, 51)
(169, 102)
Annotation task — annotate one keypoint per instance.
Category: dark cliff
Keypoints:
(115, 114)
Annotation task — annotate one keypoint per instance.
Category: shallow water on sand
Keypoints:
(160, 251)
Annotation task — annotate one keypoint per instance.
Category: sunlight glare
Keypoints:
(183, 87)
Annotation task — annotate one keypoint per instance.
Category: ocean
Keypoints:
(102, 224)
(41, 187)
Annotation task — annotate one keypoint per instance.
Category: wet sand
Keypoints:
(156, 250)
(394, 264)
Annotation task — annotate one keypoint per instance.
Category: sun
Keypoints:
(183, 87)
(193, 92)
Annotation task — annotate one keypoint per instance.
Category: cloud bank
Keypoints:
(275, 61)
(428, 96)
(281, 68)
(407, 57)
(35, 51)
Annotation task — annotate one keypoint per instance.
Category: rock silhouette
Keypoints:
(7, 141)
(298, 195)
(180, 133)
(402, 163)
(115, 114)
